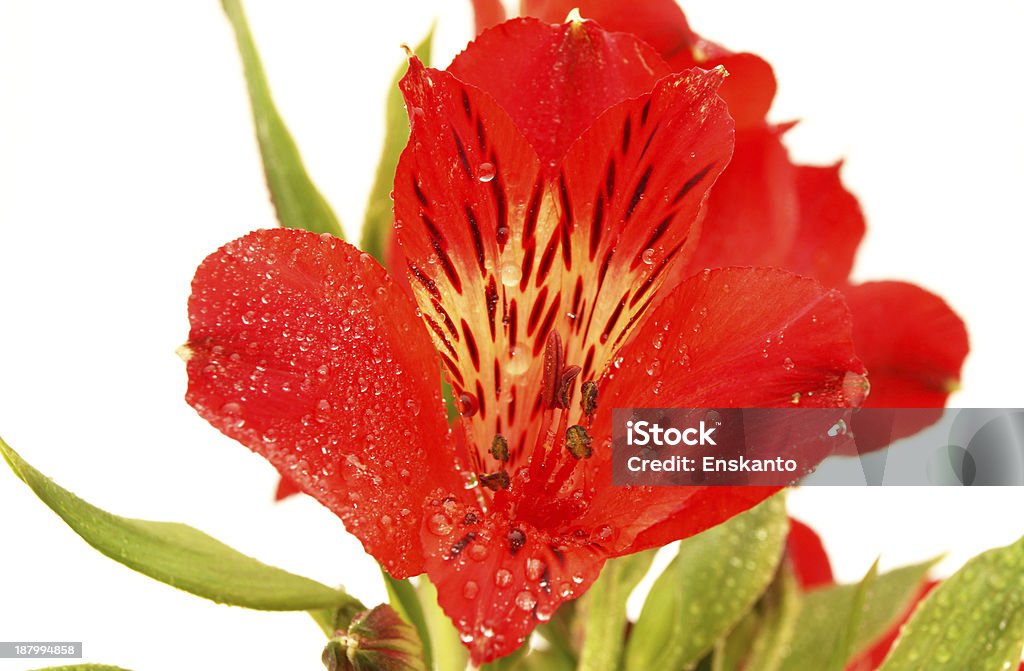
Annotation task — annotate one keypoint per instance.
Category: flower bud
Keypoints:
(376, 640)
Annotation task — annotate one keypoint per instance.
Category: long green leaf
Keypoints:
(822, 624)
(377, 228)
(604, 610)
(402, 596)
(973, 620)
(179, 555)
(296, 199)
(843, 651)
(714, 580)
(763, 638)
(449, 653)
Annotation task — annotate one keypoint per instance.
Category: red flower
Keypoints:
(553, 176)
(766, 211)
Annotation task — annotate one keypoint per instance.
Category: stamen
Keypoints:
(499, 448)
(552, 369)
(589, 400)
(494, 481)
(569, 375)
(578, 441)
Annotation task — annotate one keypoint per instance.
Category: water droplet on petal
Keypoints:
(526, 601)
(486, 172)
(518, 362)
(439, 525)
(511, 273)
(648, 256)
(788, 364)
(470, 590)
(503, 577)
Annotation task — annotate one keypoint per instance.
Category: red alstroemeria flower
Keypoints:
(810, 563)
(553, 175)
(767, 211)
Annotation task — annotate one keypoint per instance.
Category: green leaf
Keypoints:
(449, 653)
(296, 199)
(83, 667)
(179, 555)
(713, 581)
(377, 224)
(604, 611)
(767, 634)
(848, 633)
(821, 626)
(973, 620)
(402, 596)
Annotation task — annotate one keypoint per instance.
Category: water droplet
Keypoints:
(511, 273)
(518, 362)
(231, 408)
(468, 405)
(855, 388)
(788, 364)
(477, 552)
(648, 256)
(602, 533)
(470, 590)
(795, 398)
(503, 577)
(534, 568)
(544, 613)
(837, 429)
(323, 370)
(486, 172)
(526, 601)
(439, 524)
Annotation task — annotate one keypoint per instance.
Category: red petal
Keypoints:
(304, 351)
(463, 185)
(807, 556)
(750, 88)
(912, 343)
(634, 185)
(736, 337)
(286, 487)
(487, 13)
(659, 23)
(498, 577)
(831, 226)
(751, 216)
(554, 80)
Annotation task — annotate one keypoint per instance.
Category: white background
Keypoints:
(126, 156)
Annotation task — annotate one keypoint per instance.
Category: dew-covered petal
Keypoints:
(498, 576)
(734, 337)
(751, 86)
(911, 341)
(470, 203)
(303, 349)
(555, 80)
(631, 189)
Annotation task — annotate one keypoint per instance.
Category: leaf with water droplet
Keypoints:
(987, 623)
(678, 623)
(823, 625)
(179, 555)
(377, 223)
(299, 204)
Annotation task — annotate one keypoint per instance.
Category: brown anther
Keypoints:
(494, 481)
(499, 448)
(589, 400)
(552, 370)
(569, 376)
(578, 441)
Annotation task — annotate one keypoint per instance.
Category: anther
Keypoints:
(569, 375)
(578, 441)
(589, 400)
(494, 481)
(499, 448)
(552, 369)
